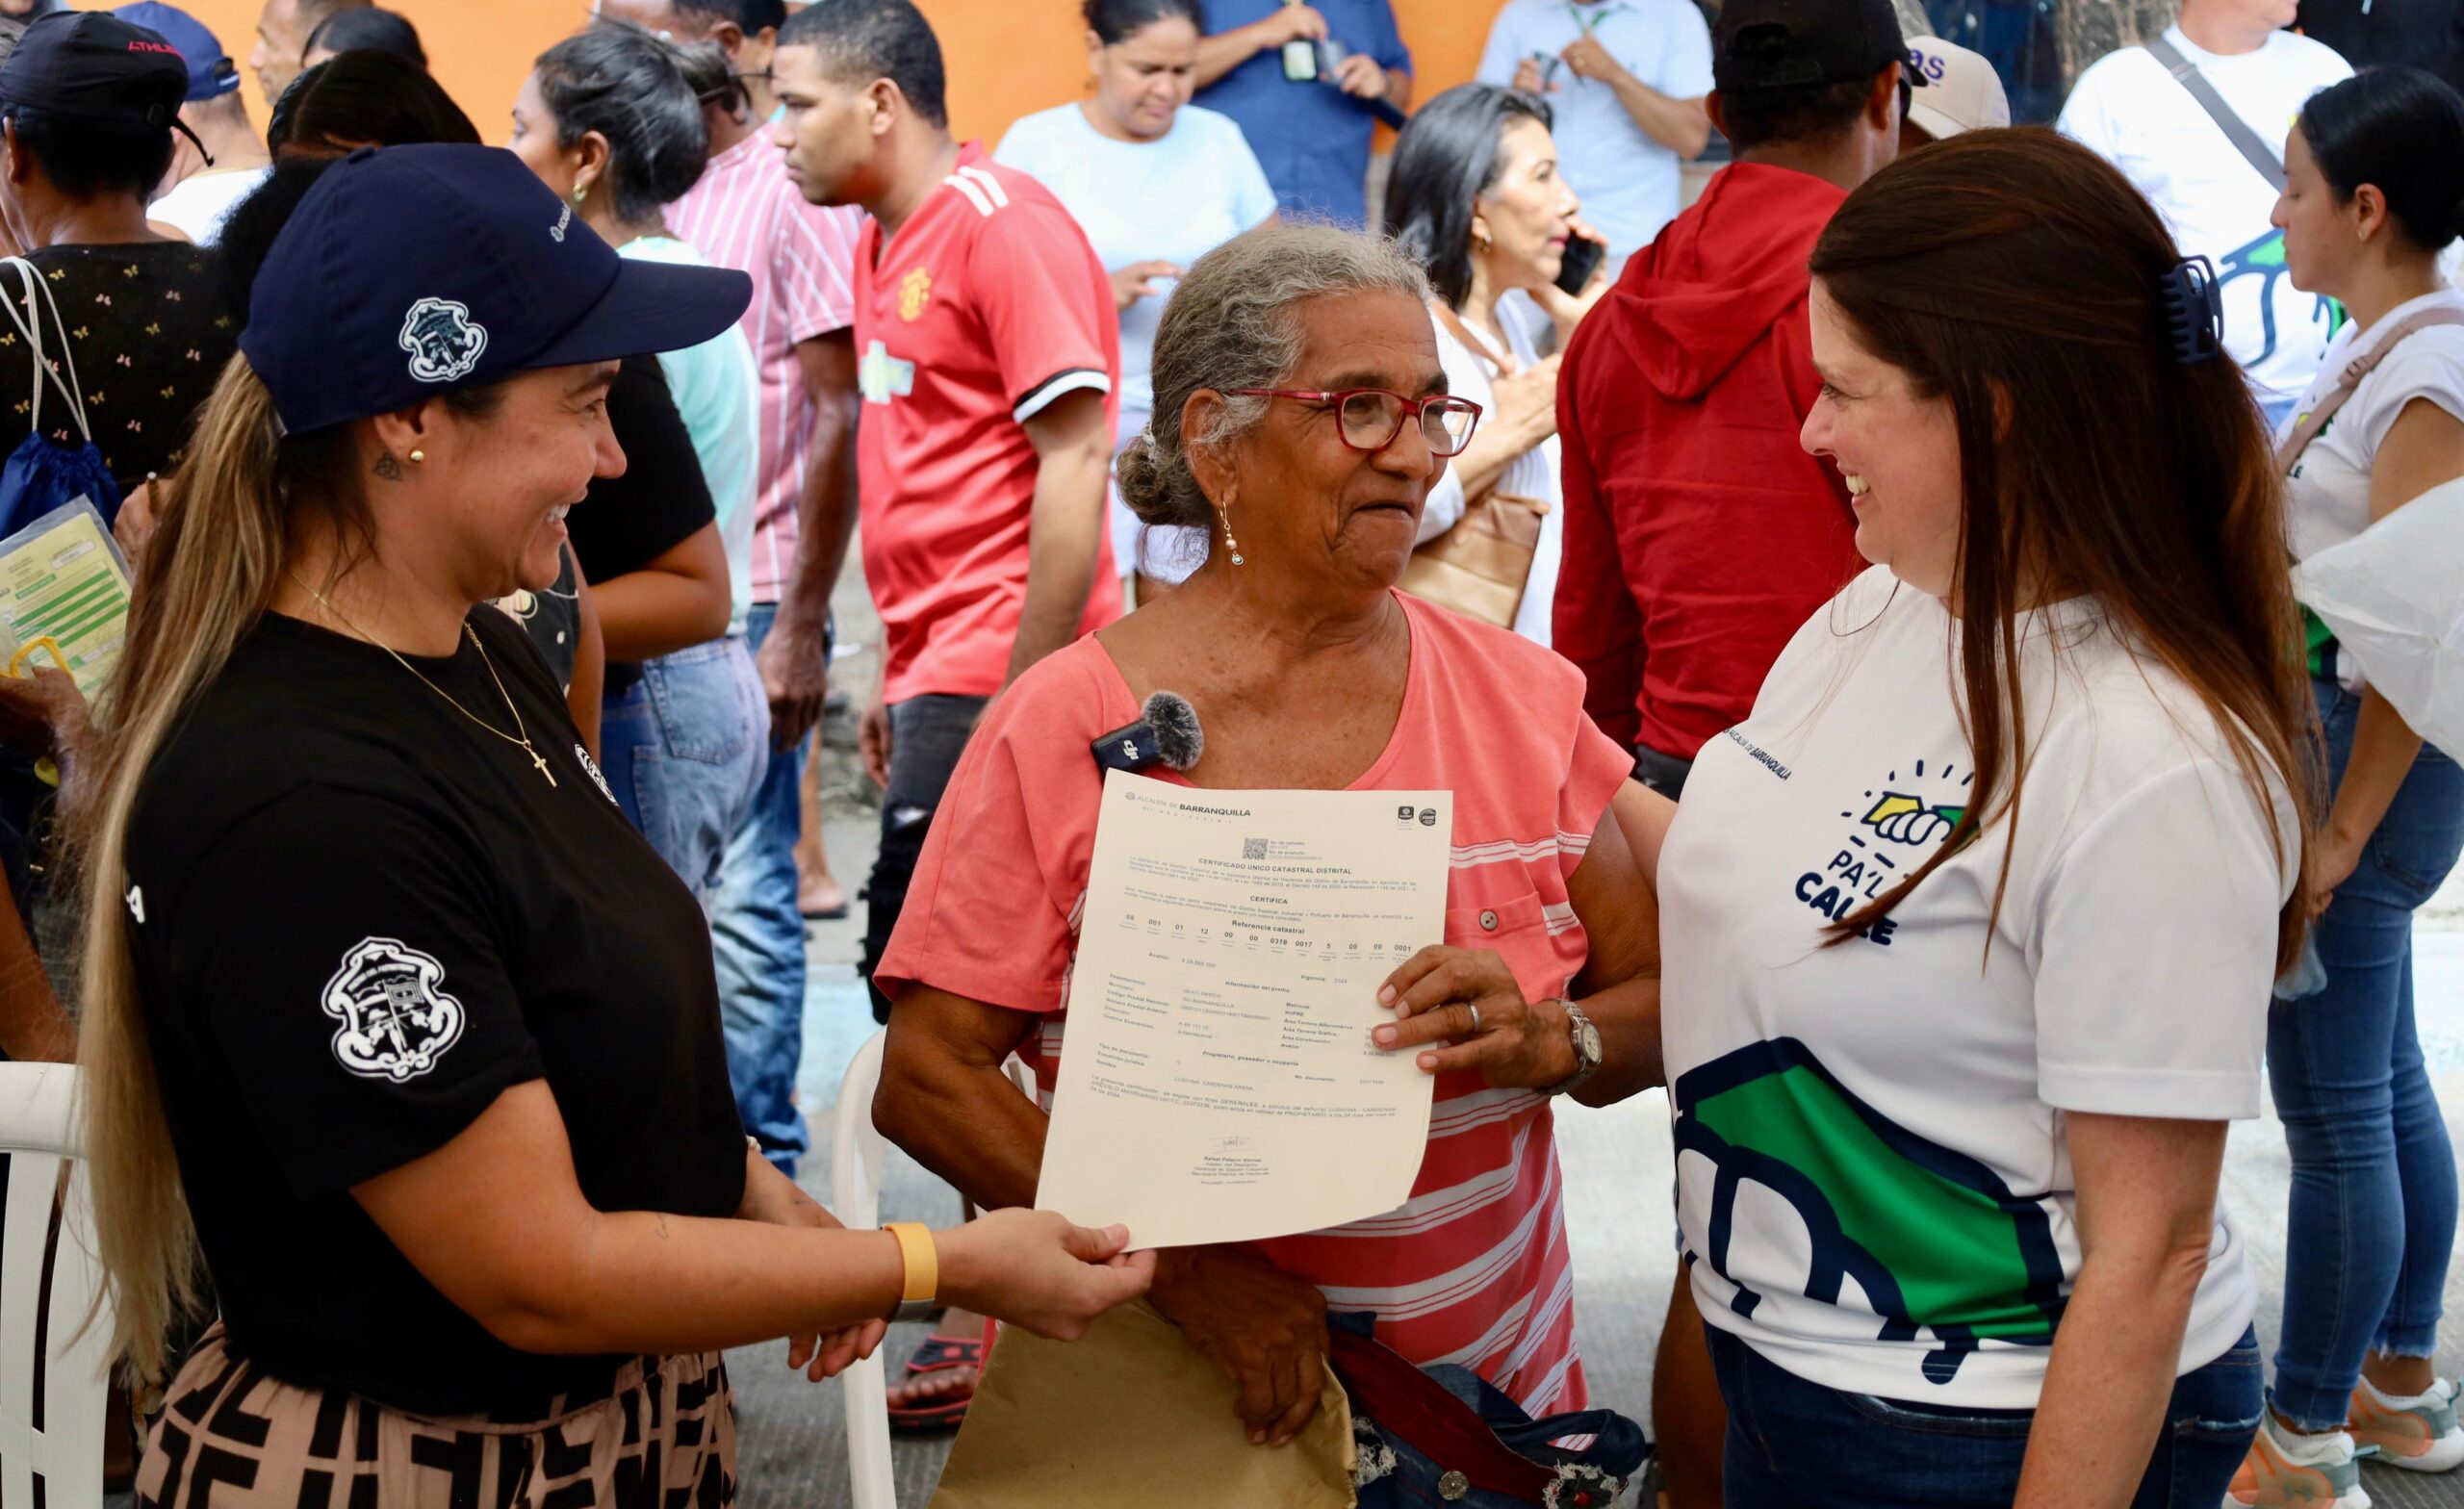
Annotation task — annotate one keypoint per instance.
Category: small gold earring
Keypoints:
(1229, 543)
(1481, 240)
(418, 456)
(579, 195)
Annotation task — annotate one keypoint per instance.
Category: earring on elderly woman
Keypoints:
(1229, 543)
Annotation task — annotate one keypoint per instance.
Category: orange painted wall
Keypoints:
(1005, 58)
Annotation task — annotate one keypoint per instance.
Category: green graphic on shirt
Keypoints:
(1932, 1237)
(2264, 259)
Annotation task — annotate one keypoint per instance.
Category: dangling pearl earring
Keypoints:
(1229, 543)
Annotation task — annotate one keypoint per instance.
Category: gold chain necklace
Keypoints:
(520, 736)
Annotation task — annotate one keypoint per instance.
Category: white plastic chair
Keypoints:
(48, 1354)
(857, 1149)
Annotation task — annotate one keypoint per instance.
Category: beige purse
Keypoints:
(1479, 568)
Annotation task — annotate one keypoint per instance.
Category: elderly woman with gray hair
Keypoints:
(1301, 418)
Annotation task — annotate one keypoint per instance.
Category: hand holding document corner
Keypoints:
(1219, 1083)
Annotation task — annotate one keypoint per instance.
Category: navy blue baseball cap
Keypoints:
(408, 272)
(212, 75)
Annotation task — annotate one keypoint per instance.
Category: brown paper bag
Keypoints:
(1131, 1414)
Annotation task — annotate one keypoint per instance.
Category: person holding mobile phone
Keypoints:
(1626, 80)
(1308, 111)
(1476, 194)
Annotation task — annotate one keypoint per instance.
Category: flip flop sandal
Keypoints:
(947, 1411)
(938, 1353)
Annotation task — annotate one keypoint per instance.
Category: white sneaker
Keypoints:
(2285, 1470)
(2418, 1434)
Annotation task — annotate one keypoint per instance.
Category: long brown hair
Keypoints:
(211, 568)
(2021, 276)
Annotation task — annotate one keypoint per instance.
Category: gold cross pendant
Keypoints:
(541, 760)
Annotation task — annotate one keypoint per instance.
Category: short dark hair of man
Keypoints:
(751, 16)
(1794, 112)
(868, 40)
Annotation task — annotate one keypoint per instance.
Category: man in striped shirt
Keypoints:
(745, 213)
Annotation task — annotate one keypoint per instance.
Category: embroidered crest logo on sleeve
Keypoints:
(444, 340)
(397, 1020)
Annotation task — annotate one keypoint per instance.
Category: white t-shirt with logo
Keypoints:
(1873, 1182)
(2133, 112)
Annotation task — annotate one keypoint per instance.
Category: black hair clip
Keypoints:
(2193, 308)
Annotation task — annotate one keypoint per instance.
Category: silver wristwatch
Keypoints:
(1588, 1052)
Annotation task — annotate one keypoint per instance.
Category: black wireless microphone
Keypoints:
(1168, 735)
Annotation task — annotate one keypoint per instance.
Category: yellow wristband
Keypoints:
(923, 1262)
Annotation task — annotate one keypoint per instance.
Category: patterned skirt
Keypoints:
(661, 1436)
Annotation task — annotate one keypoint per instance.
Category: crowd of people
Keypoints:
(1850, 605)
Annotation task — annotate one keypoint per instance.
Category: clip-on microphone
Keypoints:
(1168, 735)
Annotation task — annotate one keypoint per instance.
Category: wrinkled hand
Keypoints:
(1135, 282)
(1527, 403)
(1529, 78)
(1264, 1328)
(1361, 77)
(1591, 61)
(872, 741)
(774, 1199)
(1509, 1042)
(134, 526)
(795, 677)
(42, 714)
(1033, 1269)
(1291, 23)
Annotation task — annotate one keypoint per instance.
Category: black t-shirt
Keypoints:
(148, 334)
(359, 918)
(628, 522)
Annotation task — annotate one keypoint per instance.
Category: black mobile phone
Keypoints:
(1583, 257)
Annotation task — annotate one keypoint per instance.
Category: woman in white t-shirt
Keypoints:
(1156, 183)
(1474, 192)
(1968, 930)
(2373, 193)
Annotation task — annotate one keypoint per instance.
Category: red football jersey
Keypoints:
(985, 306)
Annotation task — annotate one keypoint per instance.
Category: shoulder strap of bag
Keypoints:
(30, 325)
(1454, 325)
(2261, 156)
(2307, 426)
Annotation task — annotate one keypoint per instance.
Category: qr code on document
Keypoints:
(1253, 848)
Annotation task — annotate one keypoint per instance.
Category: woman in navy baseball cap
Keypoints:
(390, 1017)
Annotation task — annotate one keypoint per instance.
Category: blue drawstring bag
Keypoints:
(43, 475)
(1444, 1435)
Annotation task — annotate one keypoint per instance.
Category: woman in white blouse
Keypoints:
(1156, 183)
(1474, 192)
(2373, 193)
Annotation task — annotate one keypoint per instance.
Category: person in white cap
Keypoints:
(1955, 89)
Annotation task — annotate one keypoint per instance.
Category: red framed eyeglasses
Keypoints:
(1369, 419)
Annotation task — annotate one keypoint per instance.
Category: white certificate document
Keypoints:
(1217, 1082)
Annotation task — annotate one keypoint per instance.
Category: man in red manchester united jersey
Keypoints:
(989, 355)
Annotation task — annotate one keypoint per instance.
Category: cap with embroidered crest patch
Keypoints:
(411, 271)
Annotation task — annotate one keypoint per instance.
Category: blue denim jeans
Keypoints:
(683, 749)
(1794, 1444)
(2373, 1210)
(759, 937)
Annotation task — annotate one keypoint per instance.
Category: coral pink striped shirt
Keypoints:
(1473, 1268)
(745, 213)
